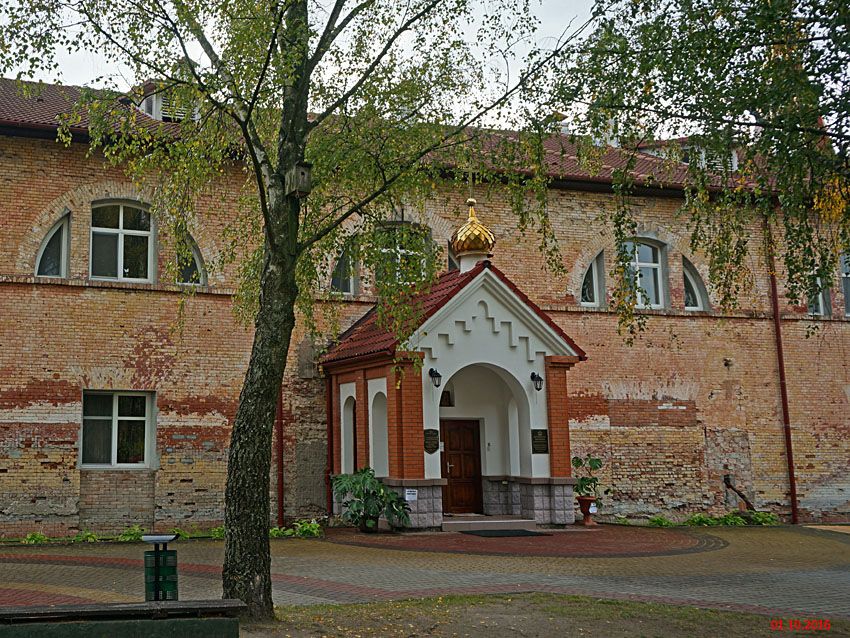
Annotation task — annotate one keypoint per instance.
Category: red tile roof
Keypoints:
(42, 110)
(365, 337)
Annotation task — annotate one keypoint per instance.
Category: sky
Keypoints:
(554, 15)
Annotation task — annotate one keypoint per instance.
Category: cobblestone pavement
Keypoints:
(799, 571)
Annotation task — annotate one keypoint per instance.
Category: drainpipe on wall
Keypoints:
(780, 356)
(278, 423)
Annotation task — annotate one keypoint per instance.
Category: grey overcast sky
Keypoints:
(554, 15)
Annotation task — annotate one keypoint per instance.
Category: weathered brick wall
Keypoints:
(695, 398)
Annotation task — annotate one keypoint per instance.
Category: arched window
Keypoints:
(344, 278)
(348, 440)
(52, 259)
(646, 267)
(190, 267)
(379, 445)
(696, 297)
(121, 243)
(593, 284)
(845, 282)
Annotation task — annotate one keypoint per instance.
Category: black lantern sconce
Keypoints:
(436, 377)
(537, 380)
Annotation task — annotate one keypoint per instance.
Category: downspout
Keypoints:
(330, 430)
(783, 386)
(278, 424)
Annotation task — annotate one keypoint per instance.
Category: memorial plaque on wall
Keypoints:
(540, 441)
(432, 440)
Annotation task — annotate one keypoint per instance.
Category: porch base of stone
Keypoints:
(547, 501)
(425, 497)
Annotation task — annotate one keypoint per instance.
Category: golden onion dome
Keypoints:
(473, 236)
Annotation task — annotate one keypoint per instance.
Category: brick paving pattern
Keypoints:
(798, 571)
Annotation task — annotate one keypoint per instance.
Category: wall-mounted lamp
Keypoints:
(436, 377)
(537, 380)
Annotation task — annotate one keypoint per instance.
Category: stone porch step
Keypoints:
(461, 523)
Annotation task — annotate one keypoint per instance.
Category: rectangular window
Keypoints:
(116, 429)
(121, 243)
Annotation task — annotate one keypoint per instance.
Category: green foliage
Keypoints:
(85, 536)
(181, 533)
(35, 538)
(588, 485)
(762, 518)
(300, 529)
(281, 532)
(765, 80)
(365, 499)
(661, 521)
(732, 519)
(132, 534)
(217, 532)
(701, 520)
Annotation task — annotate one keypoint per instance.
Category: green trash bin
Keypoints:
(165, 573)
(160, 568)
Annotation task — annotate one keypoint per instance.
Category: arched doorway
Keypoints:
(485, 435)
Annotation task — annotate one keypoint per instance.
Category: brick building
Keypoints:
(115, 404)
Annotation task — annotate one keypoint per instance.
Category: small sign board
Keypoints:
(540, 441)
(411, 494)
(432, 440)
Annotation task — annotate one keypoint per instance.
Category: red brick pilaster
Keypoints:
(361, 420)
(404, 421)
(557, 406)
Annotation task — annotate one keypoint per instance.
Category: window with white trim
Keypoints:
(190, 267)
(593, 284)
(695, 293)
(117, 429)
(344, 278)
(400, 263)
(52, 259)
(121, 243)
(646, 267)
(818, 305)
(845, 282)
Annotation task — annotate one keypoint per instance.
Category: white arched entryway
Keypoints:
(347, 447)
(378, 438)
(485, 433)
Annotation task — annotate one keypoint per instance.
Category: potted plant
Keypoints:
(587, 487)
(364, 499)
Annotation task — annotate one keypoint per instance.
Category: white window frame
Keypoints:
(818, 306)
(596, 269)
(199, 264)
(845, 282)
(148, 419)
(353, 278)
(63, 226)
(637, 264)
(121, 232)
(398, 252)
(690, 275)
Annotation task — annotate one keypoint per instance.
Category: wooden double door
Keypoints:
(461, 466)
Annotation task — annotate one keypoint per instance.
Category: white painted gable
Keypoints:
(488, 314)
(486, 325)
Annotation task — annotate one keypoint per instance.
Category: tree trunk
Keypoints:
(247, 562)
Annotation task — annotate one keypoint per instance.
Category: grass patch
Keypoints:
(511, 615)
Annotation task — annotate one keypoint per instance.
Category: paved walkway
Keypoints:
(790, 571)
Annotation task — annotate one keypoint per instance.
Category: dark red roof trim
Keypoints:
(365, 337)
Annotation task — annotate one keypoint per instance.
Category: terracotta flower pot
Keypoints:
(584, 503)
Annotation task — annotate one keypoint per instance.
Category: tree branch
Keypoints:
(342, 99)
